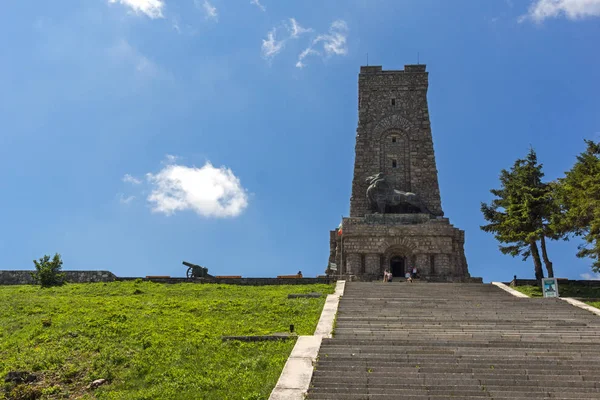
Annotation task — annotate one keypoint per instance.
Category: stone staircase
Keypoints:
(456, 341)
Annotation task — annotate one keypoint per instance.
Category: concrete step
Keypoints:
(469, 341)
(461, 392)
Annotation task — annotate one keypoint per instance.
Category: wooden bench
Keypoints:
(289, 276)
(228, 276)
(158, 277)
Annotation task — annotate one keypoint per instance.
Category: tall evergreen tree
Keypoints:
(520, 214)
(578, 195)
(539, 204)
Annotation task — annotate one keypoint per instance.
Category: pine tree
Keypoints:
(520, 214)
(578, 195)
(539, 205)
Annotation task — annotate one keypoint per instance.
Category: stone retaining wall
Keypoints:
(240, 281)
(533, 282)
(22, 277)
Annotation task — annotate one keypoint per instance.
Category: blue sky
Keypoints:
(136, 134)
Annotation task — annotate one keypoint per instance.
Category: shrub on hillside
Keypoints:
(48, 272)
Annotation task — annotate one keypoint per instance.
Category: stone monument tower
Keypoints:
(396, 219)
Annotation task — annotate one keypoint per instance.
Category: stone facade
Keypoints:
(394, 138)
(394, 135)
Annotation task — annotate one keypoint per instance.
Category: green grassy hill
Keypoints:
(566, 290)
(150, 341)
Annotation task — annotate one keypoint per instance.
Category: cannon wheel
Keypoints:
(190, 273)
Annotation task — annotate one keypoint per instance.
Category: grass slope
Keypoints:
(150, 341)
(565, 290)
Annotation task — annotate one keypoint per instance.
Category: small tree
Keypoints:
(48, 272)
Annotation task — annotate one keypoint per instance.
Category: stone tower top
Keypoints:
(379, 69)
(394, 135)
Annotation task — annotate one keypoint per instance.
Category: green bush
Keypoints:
(48, 272)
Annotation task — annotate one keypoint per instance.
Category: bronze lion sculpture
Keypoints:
(382, 195)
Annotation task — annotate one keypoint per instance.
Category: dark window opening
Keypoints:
(393, 139)
(394, 164)
(362, 264)
(432, 262)
(393, 102)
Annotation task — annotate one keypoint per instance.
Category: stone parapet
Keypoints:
(23, 277)
(395, 219)
(241, 281)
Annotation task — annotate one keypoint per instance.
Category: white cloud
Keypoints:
(176, 25)
(295, 28)
(303, 55)
(257, 4)
(131, 179)
(335, 41)
(572, 9)
(125, 200)
(152, 8)
(170, 159)
(122, 53)
(208, 191)
(211, 11)
(271, 47)
(590, 277)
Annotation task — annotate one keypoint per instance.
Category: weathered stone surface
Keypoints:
(394, 139)
(305, 295)
(456, 341)
(18, 377)
(261, 338)
(394, 126)
(97, 383)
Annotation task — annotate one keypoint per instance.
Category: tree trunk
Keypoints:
(547, 261)
(537, 263)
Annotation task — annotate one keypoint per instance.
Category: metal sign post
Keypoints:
(550, 287)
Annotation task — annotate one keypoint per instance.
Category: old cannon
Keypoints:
(195, 271)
